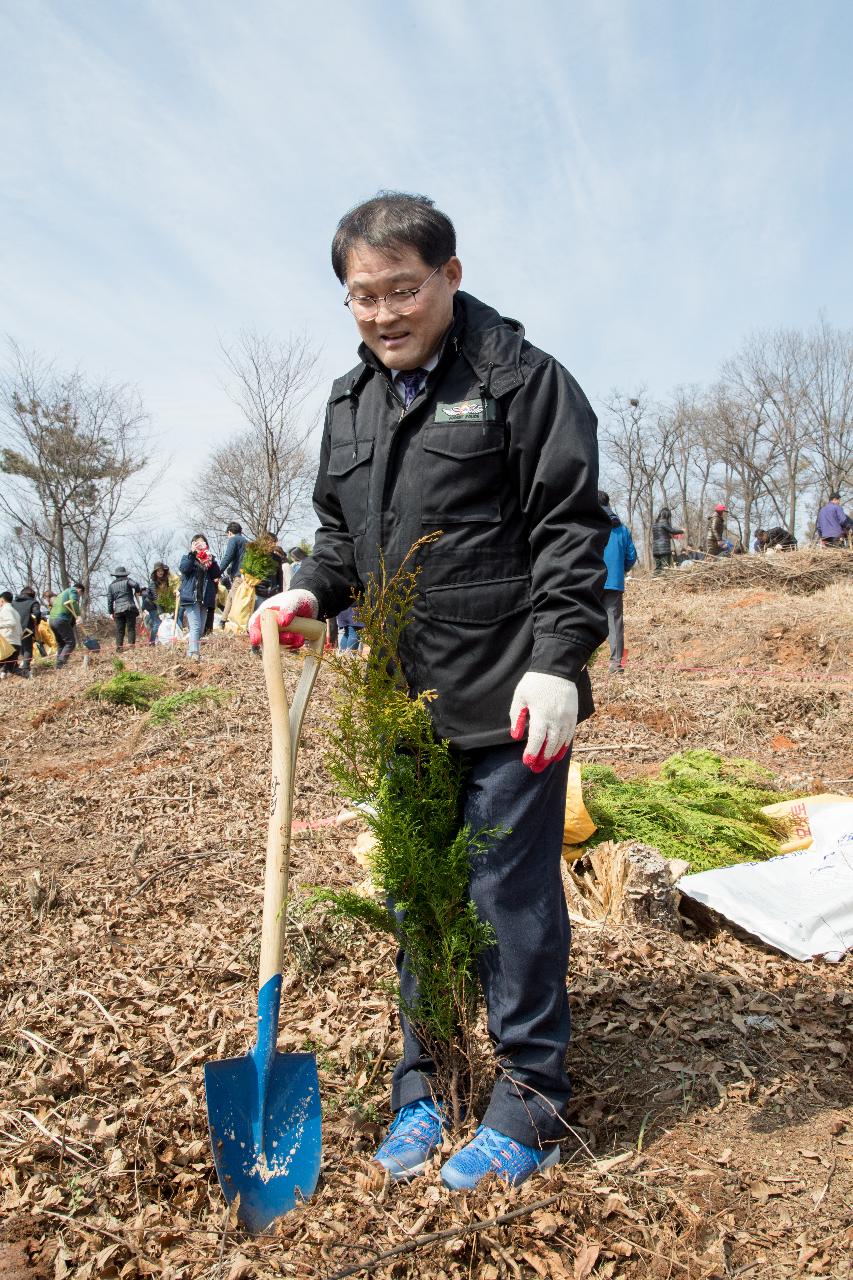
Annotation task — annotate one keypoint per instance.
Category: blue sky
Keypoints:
(641, 184)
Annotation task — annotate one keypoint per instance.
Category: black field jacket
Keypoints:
(662, 534)
(499, 451)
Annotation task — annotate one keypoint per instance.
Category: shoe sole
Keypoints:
(400, 1174)
(552, 1158)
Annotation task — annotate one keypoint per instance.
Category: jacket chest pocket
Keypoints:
(463, 473)
(349, 472)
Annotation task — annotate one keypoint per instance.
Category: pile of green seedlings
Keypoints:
(701, 807)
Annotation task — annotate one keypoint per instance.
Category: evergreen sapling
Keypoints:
(388, 758)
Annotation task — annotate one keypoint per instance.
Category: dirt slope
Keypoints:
(712, 1126)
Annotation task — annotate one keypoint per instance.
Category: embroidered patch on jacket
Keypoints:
(467, 411)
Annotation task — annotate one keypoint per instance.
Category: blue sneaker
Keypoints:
(414, 1136)
(493, 1152)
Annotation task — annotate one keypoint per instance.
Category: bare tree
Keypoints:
(695, 456)
(75, 458)
(262, 475)
(828, 405)
(637, 448)
(146, 547)
(771, 370)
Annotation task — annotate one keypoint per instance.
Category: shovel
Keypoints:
(263, 1110)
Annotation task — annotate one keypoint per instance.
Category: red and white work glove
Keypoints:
(550, 704)
(288, 605)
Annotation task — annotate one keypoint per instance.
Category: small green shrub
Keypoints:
(165, 710)
(127, 688)
(258, 560)
(166, 598)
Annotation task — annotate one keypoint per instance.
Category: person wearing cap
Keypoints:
(121, 606)
(715, 538)
(833, 523)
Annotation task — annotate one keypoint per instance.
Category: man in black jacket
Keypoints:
(452, 421)
(29, 610)
(663, 531)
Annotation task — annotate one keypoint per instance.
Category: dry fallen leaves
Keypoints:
(139, 965)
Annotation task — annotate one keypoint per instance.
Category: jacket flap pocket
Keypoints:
(479, 603)
(344, 457)
(464, 440)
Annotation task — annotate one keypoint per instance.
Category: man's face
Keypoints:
(403, 342)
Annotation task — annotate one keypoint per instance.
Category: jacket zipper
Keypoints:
(485, 392)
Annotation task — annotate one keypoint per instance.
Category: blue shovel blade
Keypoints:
(266, 1141)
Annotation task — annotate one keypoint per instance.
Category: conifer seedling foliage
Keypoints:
(701, 807)
(387, 756)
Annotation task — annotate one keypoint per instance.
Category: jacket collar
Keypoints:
(491, 343)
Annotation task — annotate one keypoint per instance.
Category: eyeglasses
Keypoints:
(400, 302)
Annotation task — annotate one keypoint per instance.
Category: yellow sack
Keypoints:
(44, 635)
(6, 649)
(579, 826)
(793, 815)
(242, 603)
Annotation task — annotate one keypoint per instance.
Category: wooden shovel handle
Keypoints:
(286, 726)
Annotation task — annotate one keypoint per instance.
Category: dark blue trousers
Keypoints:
(516, 886)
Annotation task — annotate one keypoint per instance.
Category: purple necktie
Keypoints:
(411, 382)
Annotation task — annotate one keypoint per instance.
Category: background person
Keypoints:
(235, 549)
(620, 556)
(27, 605)
(775, 539)
(121, 606)
(199, 576)
(348, 629)
(157, 584)
(833, 523)
(297, 556)
(64, 613)
(662, 534)
(452, 421)
(716, 542)
(10, 631)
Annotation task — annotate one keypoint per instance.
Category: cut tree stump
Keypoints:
(625, 883)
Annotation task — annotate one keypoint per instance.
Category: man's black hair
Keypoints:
(199, 535)
(7, 596)
(394, 220)
(603, 498)
(27, 591)
(664, 514)
(234, 527)
(79, 586)
(835, 496)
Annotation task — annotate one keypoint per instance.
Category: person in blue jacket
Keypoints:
(620, 556)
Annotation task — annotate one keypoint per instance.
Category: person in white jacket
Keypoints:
(10, 630)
